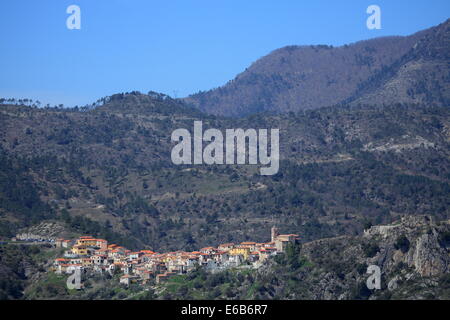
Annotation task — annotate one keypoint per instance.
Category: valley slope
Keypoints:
(108, 172)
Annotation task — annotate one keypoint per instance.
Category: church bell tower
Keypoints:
(274, 233)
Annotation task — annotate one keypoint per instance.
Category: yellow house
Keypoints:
(249, 244)
(80, 250)
(244, 251)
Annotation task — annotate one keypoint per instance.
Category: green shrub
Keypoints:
(402, 244)
(370, 249)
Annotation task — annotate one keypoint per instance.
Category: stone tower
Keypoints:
(274, 233)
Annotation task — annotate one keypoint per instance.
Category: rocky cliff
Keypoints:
(411, 253)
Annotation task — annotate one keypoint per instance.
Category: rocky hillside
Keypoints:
(107, 172)
(412, 254)
(412, 69)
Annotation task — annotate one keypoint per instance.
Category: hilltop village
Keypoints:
(90, 254)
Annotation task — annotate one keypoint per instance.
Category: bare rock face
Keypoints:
(43, 231)
(412, 254)
(425, 253)
(428, 257)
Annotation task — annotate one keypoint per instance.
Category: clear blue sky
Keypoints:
(174, 47)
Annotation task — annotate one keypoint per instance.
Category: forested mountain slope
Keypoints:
(108, 172)
(412, 69)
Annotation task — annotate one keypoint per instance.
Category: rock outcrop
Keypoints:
(412, 254)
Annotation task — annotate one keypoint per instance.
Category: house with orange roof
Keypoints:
(59, 261)
(204, 257)
(147, 252)
(189, 262)
(102, 244)
(220, 256)
(84, 241)
(66, 243)
(244, 251)
(265, 253)
(127, 279)
(134, 255)
(248, 244)
(117, 254)
(143, 273)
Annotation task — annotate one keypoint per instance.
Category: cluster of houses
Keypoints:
(88, 253)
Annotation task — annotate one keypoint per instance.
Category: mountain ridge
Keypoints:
(296, 78)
